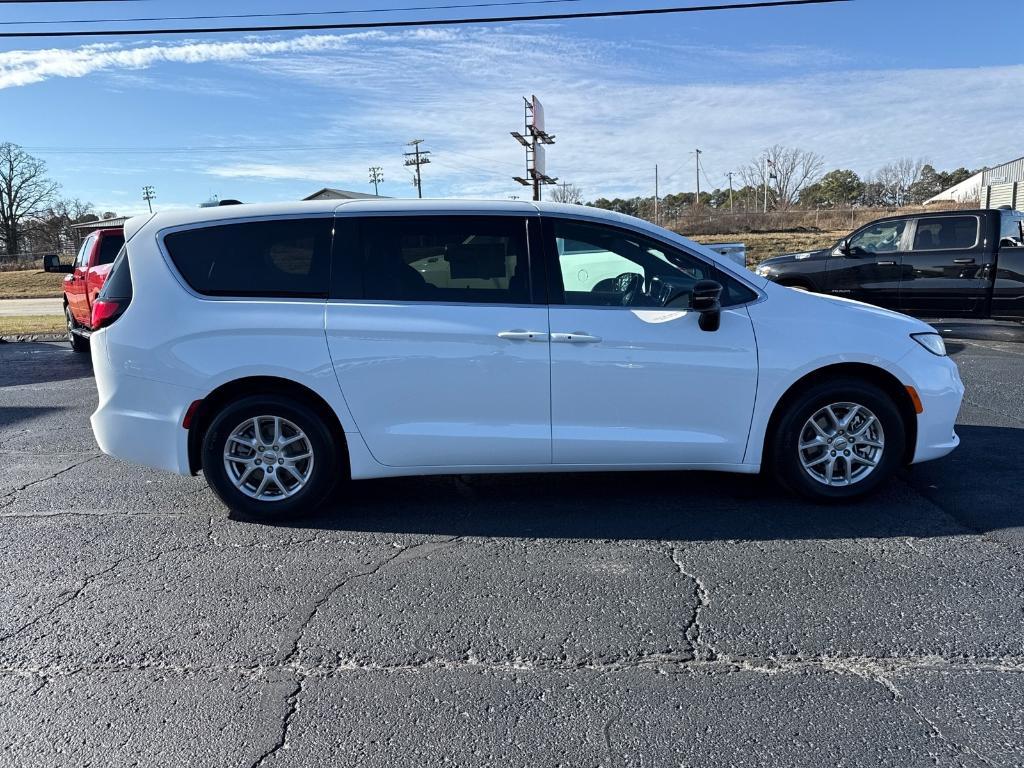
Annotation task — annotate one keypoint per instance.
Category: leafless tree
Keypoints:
(897, 178)
(53, 230)
(25, 193)
(567, 193)
(787, 169)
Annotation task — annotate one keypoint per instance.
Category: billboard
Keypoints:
(538, 115)
(540, 162)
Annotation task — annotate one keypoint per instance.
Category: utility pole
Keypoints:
(417, 158)
(769, 173)
(696, 202)
(376, 177)
(656, 193)
(534, 138)
(149, 194)
(730, 191)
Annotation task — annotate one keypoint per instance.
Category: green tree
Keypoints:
(836, 189)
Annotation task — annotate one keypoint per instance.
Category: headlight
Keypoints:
(763, 270)
(932, 342)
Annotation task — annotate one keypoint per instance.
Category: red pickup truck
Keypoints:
(86, 278)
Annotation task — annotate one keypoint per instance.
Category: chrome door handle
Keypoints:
(963, 261)
(577, 337)
(518, 335)
(886, 263)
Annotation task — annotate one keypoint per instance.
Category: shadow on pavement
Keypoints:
(941, 498)
(27, 362)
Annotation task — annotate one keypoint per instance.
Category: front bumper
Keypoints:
(938, 384)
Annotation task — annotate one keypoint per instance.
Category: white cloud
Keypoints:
(617, 107)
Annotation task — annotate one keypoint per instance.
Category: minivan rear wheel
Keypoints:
(840, 439)
(270, 457)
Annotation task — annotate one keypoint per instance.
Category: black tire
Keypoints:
(324, 471)
(783, 456)
(78, 343)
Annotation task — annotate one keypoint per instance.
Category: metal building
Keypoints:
(1003, 185)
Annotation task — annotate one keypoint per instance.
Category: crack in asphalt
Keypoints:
(868, 668)
(292, 660)
(702, 649)
(9, 498)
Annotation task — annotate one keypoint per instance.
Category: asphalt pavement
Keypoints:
(638, 619)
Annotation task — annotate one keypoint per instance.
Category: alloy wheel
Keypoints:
(841, 444)
(268, 458)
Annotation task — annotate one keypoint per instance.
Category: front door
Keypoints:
(438, 343)
(869, 270)
(634, 380)
(947, 270)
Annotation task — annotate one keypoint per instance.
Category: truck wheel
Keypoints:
(840, 439)
(270, 457)
(78, 343)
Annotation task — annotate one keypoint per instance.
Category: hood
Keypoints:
(797, 256)
(857, 311)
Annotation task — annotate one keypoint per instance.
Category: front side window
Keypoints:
(1011, 233)
(277, 258)
(883, 237)
(477, 259)
(607, 267)
(952, 233)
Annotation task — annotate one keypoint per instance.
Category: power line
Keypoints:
(288, 14)
(420, 22)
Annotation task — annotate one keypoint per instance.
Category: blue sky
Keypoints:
(275, 117)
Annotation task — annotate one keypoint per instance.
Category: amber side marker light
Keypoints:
(915, 399)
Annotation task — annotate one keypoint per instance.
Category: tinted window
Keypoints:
(946, 233)
(284, 257)
(449, 258)
(119, 281)
(603, 266)
(110, 246)
(883, 237)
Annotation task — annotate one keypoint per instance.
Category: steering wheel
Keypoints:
(629, 285)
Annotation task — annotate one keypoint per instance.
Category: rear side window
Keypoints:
(279, 258)
(479, 259)
(119, 281)
(946, 233)
(110, 246)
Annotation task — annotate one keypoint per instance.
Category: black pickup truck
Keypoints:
(948, 264)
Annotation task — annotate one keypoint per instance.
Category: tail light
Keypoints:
(116, 294)
(106, 311)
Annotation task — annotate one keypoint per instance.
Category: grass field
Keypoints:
(14, 326)
(30, 284)
(761, 245)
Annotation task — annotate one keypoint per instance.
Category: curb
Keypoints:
(33, 337)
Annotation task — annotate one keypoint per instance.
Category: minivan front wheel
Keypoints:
(838, 440)
(270, 457)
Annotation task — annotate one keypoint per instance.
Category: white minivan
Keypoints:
(280, 348)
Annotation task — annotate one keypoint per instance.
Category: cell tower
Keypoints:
(535, 139)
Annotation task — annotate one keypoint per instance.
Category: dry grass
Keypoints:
(23, 324)
(30, 284)
(761, 245)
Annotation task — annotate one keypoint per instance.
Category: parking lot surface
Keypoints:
(598, 620)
